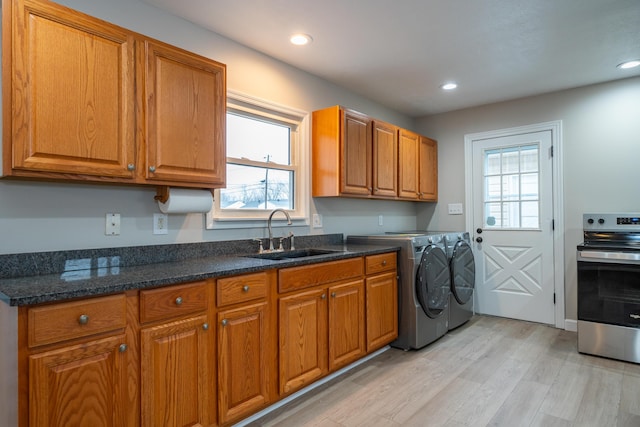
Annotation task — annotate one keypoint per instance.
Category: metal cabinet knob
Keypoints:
(224, 322)
(323, 296)
(205, 326)
(131, 167)
(152, 169)
(178, 300)
(479, 239)
(333, 294)
(245, 288)
(384, 262)
(122, 348)
(83, 319)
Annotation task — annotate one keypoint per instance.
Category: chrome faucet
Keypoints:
(269, 225)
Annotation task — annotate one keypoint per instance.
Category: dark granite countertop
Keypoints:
(114, 270)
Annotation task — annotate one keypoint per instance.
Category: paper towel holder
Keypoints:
(162, 193)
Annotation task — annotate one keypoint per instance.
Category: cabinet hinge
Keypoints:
(551, 151)
(553, 224)
(554, 298)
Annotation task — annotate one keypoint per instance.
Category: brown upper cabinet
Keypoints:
(88, 100)
(354, 155)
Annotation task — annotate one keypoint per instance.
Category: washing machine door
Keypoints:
(463, 272)
(433, 281)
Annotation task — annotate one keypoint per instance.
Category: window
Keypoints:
(266, 152)
(511, 187)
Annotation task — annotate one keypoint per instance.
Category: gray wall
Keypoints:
(601, 153)
(37, 216)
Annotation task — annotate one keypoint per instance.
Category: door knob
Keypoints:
(479, 239)
(479, 231)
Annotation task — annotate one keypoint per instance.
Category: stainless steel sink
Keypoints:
(296, 253)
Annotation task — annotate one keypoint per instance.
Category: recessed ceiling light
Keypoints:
(301, 39)
(449, 86)
(629, 64)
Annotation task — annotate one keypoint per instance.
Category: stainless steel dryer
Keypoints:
(463, 275)
(423, 287)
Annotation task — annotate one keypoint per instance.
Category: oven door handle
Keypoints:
(610, 257)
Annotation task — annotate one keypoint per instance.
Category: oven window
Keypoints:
(609, 293)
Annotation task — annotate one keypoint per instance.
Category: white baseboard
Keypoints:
(571, 325)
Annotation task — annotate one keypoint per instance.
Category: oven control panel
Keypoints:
(611, 221)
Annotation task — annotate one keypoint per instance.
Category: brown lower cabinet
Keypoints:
(205, 353)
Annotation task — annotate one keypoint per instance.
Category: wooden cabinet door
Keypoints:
(303, 339)
(385, 159)
(72, 97)
(428, 159)
(408, 164)
(186, 116)
(243, 368)
(177, 387)
(356, 162)
(79, 385)
(382, 310)
(346, 323)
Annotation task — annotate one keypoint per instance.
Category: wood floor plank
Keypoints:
(599, 405)
(565, 395)
(439, 409)
(520, 408)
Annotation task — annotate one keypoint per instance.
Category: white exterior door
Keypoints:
(513, 226)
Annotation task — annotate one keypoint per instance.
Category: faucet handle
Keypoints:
(261, 248)
(281, 248)
(291, 245)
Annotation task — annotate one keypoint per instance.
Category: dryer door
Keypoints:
(433, 281)
(463, 272)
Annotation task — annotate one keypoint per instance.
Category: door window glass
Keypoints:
(511, 187)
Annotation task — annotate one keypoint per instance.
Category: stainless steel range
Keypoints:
(609, 286)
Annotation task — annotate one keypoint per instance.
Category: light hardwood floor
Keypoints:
(489, 372)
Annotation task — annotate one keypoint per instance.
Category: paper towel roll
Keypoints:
(185, 200)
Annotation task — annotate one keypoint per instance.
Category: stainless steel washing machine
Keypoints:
(423, 287)
(463, 275)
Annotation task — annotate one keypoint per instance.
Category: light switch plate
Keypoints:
(317, 221)
(112, 227)
(455, 208)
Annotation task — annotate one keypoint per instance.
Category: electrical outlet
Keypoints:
(455, 208)
(160, 223)
(317, 221)
(112, 224)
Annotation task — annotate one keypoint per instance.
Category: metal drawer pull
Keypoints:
(205, 326)
(83, 319)
(245, 288)
(178, 300)
(384, 262)
(634, 316)
(122, 348)
(224, 322)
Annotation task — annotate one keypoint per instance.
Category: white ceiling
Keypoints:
(398, 53)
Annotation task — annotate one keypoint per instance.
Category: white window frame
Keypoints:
(219, 218)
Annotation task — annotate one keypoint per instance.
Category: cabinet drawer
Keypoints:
(68, 320)
(305, 276)
(172, 301)
(236, 289)
(382, 262)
